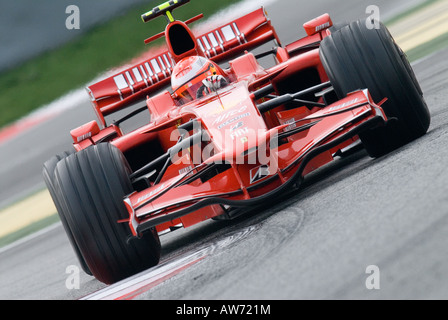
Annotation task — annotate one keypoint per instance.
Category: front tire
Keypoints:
(356, 57)
(91, 186)
(48, 174)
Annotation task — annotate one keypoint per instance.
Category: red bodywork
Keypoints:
(221, 173)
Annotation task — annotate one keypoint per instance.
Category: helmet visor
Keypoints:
(187, 90)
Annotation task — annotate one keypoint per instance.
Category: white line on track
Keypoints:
(30, 237)
(144, 281)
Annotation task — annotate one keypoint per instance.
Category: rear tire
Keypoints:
(91, 186)
(356, 57)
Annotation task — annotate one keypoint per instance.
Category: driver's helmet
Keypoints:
(188, 75)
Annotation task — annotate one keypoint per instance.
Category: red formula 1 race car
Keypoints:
(224, 133)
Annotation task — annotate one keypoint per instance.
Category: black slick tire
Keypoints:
(356, 57)
(91, 185)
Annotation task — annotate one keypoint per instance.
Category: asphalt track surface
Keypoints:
(391, 212)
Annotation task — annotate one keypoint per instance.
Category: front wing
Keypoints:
(182, 200)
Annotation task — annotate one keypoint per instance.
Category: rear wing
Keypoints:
(145, 78)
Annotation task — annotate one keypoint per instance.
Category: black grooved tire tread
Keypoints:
(356, 57)
(48, 174)
(91, 186)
